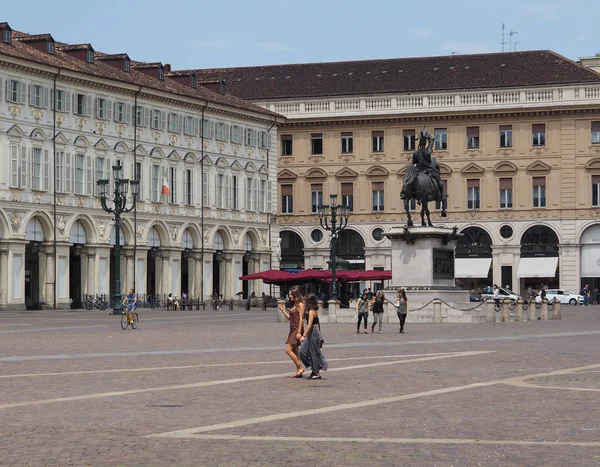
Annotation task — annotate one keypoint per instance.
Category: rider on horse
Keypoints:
(423, 162)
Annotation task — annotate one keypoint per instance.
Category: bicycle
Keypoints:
(125, 320)
(97, 302)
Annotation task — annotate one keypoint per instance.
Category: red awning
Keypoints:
(357, 276)
(275, 276)
(272, 276)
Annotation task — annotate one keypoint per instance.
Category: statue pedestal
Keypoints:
(423, 265)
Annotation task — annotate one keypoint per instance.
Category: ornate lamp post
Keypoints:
(119, 207)
(333, 218)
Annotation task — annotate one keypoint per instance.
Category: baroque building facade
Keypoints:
(67, 115)
(517, 136)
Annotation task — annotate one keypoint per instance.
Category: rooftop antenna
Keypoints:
(453, 53)
(510, 34)
(516, 43)
(503, 35)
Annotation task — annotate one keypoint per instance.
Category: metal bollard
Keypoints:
(544, 310)
(519, 310)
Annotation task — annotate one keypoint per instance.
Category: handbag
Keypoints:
(321, 340)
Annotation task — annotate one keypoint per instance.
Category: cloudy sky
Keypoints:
(224, 33)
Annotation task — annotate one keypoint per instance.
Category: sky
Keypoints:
(229, 33)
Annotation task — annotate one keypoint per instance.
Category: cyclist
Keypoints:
(131, 303)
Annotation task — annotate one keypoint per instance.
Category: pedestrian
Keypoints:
(586, 295)
(183, 296)
(362, 311)
(402, 306)
(496, 295)
(378, 303)
(369, 294)
(311, 341)
(173, 301)
(294, 315)
(530, 293)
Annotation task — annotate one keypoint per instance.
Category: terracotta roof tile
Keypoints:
(34, 37)
(101, 56)
(400, 75)
(143, 66)
(21, 50)
(70, 47)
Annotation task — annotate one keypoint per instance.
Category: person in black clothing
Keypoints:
(378, 303)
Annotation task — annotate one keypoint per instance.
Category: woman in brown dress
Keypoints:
(294, 316)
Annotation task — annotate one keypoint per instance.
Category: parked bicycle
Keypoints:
(95, 302)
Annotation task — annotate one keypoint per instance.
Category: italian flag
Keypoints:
(165, 188)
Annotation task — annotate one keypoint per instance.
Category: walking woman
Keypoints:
(310, 350)
(362, 310)
(294, 316)
(402, 305)
(378, 303)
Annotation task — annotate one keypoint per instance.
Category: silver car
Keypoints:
(503, 293)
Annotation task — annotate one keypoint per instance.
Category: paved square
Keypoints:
(211, 388)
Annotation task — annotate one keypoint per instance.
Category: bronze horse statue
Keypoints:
(422, 180)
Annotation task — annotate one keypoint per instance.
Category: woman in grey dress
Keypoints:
(310, 348)
(402, 305)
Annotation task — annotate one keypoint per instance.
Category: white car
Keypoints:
(562, 296)
(502, 294)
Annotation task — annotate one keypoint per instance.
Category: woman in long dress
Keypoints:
(294, 316)
(310, 349)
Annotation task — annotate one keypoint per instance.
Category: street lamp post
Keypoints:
(119, 207)
(333, 218)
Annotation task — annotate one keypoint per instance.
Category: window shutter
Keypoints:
(163, 120)
(45, 98)
(97, 106)
(88, 105)
(506, 183)
(205, 189)
(595, 179)
(67, 103)
(539, 181)
(286, 190)
(226, 133)
(21, 88)
(31, 96)
(109, 109)
(7, 86)
(347, 189)
(74, 102)
(227, 190)
(376, 186)
(505, 127)
(269, 195)
(0, 89)
(174, 183)
(146, 117)
(165, 175)
(472, 131)
(89, 175)
(595, 125)
(179, 123)
(46, 170)
(212, 129)
(473, 183)
(127, 113)
(23, 181)
(538, 128)
(196, 126)
(14, 165)
(68, 172)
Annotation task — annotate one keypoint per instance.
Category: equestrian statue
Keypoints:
(422, 181)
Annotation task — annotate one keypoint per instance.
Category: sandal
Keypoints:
(298, 374)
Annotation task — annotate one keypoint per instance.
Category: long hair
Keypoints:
(311, 303)
(379, 295)
(297, 294)
(402, 293)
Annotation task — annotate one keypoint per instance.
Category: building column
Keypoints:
(50, 276)
(63, 299)
(127, 273)
(165, 283)
(141, 258)
(16, 277)
(101, 284)
(3, 275)
(197, 280)
(91, 272)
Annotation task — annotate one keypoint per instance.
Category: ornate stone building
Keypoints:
(518, 141)
(67, 114)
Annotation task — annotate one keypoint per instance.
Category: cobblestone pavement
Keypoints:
(210, 388)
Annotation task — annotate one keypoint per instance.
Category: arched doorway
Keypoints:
(187, 242)
(474, 259)
(78, 239)
(34, 234)
(153, 254)
(590, 259)
(350, 250)
(218, 247)
(292, 250)
(539, 258)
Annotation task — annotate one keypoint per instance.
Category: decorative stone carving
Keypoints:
(61, 223)
(235, 148)
(80, 202)
(236, 235)
(14, 111)
(120, 129)
(377, 156)
(206, 143)
(155, 136)
(140, 229)
(316, 159)
(60, 119)
(474, 153)
(263, 154)
(80, 122)
(60, 200)
(174, 230)
(347, 158)
(250, 151)
(287, 159)
(38, 198)
(173, 139)
(506, 214)
(220, 147)
(595, 148)
(36, 114)
(15, 197)
(506, 153)
(540, 213)
(101, 228)
(539, 151)
(264, 237)
(139, 133)
(278, 249)
(441, 154)
(15, 218)
(189, 141)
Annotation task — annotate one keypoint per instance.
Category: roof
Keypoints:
(112, 57)
(143, 66)
(34, 37)
(21, 50)
(69, 47)
(400, 75)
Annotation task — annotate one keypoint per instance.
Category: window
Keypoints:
(348, 195)
(191, 126)
(595, 190)
(595, 132)
(347, 143)
(208, 129)
(161, 73)
(506, 136)
(90, 56)
(261, 195)
(205, 192)
(378, 196)
(263, 140)
(255, 194)
(235, 202)
(316, 196)
(377, 137)
(126, 65)
(506, 231)
(36, 169)
(251, 137)
(175, 123)
(248, 194)
(287, 199)
(409, 140)
(15, 91)
(316, 143)
(82, 105)
(62, 101)
(222, 131)
(38, 96)
(286, 145)
(506, 188)
(441, 138)
(50, 47)
(193, 81)
(79, 173)
(220, 183)
(316, 235)
(173, 184)
(473, 194)
(103, 108)
(539, 192)
(377, 234)
(100, 168)
(142, 116)
(236, 134)
(6, 36)
(159, 121)
(60, 172)
(15, 166)
(538, 134)
(472, 137)
(123, 112)
(155, 183)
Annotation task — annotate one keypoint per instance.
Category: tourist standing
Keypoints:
(310, 349)
(378, 303)
(362, 311)
(294, 316)
(402, 305)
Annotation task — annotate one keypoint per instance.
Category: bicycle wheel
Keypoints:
(102, 305)
(88, 305)
(124, 322)
(134, 323)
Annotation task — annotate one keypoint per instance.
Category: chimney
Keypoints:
(222, 86)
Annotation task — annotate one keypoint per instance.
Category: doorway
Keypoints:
(32, 276)
(75, 277)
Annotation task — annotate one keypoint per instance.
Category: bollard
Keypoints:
(532, 309)
(556, 310)
(332, 307)
(504, 316)
(519, 310)
(280, 317)
(204, 305)
(490, 313)
(437, 310)
(544, 310)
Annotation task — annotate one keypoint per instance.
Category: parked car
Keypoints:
(504, 293)
(562, 296)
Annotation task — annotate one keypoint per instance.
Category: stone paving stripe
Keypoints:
(16, 324)
(23, 358)
(310, 440)
(355, 405)
(209, 365)
(226, 381)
